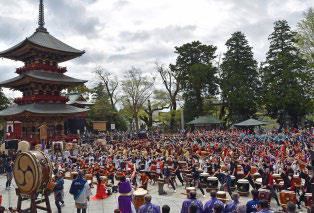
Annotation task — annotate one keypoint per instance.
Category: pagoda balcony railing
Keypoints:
(45, 67)
(40, 99)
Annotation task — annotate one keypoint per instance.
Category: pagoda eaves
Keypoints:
(42, 109)
(40, 76)
(43, 42)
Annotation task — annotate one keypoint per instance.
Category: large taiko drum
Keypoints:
(212, 183)
(233, 182)
(243, 187)
(277, 178)
(32, 172)
(203, 180)
(264, 194)
(286, 196)
(138, 197)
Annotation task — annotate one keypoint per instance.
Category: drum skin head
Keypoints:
(25, 173)
(140, 192)
(32, 171)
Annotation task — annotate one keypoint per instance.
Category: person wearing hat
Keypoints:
(81, 191)
(192, 201)
(209, 206)
(58, 191)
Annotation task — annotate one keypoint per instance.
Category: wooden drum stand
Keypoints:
(34, 202)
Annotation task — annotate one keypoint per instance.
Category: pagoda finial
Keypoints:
(41, 17)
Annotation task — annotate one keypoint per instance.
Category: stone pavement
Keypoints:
(174, 200)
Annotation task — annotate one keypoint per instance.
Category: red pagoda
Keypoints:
(42, 110)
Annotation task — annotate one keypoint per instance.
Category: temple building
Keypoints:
(76, 125)
(43, 110)
(78, 100)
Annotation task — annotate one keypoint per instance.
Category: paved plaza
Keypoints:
(174, 200)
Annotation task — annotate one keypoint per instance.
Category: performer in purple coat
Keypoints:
(125, 198)
(192, 200)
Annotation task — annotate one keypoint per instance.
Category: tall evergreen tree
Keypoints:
(197, 75)
(287, 80)
(239, 79)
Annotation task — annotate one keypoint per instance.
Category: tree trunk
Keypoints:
(150, 116)
(136, 122)
(173, 114)
(150, 121)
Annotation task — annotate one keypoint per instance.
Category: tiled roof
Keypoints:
(42, 109)
(45, 76)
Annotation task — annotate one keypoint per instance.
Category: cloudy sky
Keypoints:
(119, 34)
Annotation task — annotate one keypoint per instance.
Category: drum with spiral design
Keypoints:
(32, 172)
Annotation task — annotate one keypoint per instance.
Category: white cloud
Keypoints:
(119, 34)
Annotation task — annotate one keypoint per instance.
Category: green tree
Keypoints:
(102, 109)
(239, 79)
(110, 83)
(159, 102)
(287, 80)
(197, 75)
(172, 82)
(4, 101)
(137, 89)
(305, 36)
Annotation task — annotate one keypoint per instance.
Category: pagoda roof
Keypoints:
(42, 41)
(42, 109)
(77, 98)
(40, 75)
